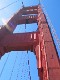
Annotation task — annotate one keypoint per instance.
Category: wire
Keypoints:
(53, 31)
(23, 66)
(13, 67)
(4, 64)
(9, 4)
(19, 68)
(29, 67)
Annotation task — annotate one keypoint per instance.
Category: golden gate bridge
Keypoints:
(40, 42)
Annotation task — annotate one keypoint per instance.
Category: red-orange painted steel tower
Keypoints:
(40, 42)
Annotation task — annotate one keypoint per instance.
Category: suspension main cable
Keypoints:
(13, 66)
(53, 31)
(4, 65)
(9, 5)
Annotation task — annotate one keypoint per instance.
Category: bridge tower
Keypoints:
(40, 42)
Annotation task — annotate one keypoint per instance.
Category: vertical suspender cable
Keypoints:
(29, 67)
(4, 65)
(13, 67)
(19, 68)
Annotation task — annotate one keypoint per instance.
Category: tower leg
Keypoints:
(40, 73)
(49, 56)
